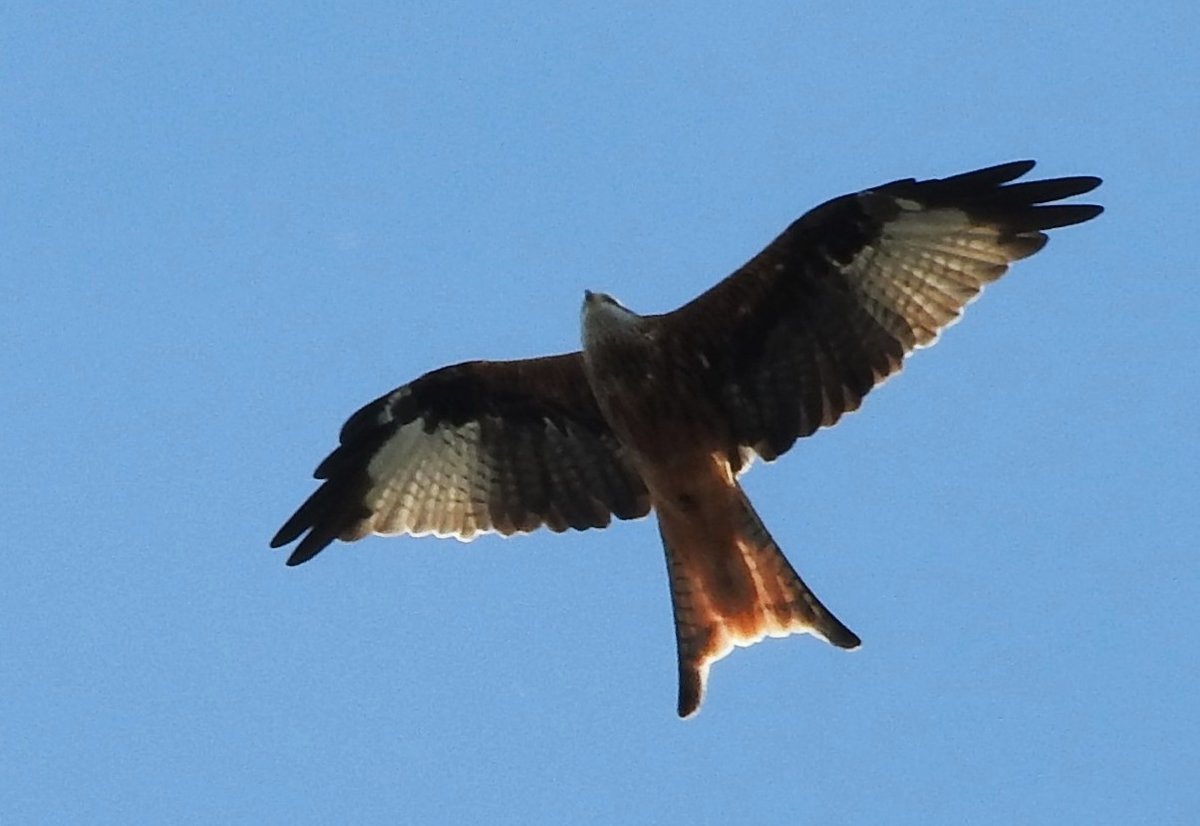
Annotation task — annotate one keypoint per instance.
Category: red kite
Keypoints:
(664, 412)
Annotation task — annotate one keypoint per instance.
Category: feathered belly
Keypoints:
(660, 417)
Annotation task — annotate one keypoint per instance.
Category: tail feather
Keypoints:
(735, 590)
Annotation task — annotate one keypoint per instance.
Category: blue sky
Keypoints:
(224, 229)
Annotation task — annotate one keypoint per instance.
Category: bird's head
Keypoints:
(591, 299)
(604, 317)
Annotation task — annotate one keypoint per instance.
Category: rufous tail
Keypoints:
(734, 587)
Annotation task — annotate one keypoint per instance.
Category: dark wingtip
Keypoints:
(326, 514)
(310, 546)
(1055, 216)
(297, 559)
(289, 533)
(991, 176)
(319, 537)
(300, 521)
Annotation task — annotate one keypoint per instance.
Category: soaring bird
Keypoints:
(664, 412)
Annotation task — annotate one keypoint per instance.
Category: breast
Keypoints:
(657, 412)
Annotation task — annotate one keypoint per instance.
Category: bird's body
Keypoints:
(730, 583)
(664, 412)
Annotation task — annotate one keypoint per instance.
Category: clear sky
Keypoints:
(224, 227)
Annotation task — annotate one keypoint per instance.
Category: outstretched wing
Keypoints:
(479, 447)
(831, 307)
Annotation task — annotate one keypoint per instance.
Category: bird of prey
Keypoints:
(663, 412)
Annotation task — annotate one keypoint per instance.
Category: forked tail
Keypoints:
(732, 586)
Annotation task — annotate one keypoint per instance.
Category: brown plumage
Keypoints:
(665, 411)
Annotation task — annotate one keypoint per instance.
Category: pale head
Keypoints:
(603, 317)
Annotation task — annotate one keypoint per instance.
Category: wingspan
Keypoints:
(801, 333)
(479, 447)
